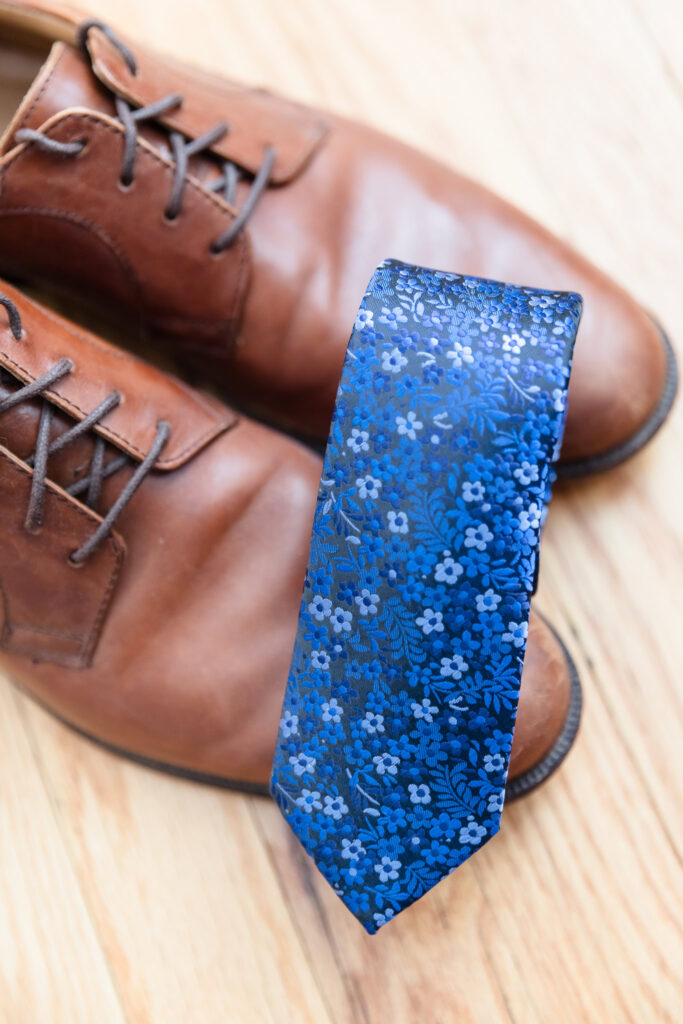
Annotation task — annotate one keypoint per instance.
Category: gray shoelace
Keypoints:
(181, 150)
(98, 472)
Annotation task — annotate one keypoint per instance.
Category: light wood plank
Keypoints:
(52, 967)
(187, 909)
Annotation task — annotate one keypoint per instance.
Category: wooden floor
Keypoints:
(130, 897)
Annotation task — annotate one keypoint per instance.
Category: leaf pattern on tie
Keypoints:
(399, 711)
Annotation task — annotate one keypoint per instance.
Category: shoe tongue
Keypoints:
(64, 81)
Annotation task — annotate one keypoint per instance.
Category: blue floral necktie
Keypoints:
(395, 736)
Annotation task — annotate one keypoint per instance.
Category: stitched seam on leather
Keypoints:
(313, 129)
(89, 640)
(195, 445)
(40, 94)
(67, 634)
(110, 125)
(218, 420)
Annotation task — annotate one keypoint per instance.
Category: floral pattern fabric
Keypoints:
(397, 722)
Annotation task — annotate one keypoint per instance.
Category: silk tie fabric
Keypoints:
(397, 723)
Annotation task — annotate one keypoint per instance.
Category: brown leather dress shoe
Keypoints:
(153, 546)
(239, 229)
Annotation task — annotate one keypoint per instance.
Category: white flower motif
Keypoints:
(331, 710)
(386, 764)
(358, 441)
(364, 319)
(454, 666)
(335, 807)
(513, 343)
(424, 709)
(448, 571)
(320, 660)
(517, 633)
(473, 490)
(527, 473)
(408, 425)
(309, 800)
(472, 834)
(367, 602)
(387, 869)
(368, 487)
(460, 354)
(393, 317)
(320, 607)
(394, 361)
(542, 301)
(398, 521)
(430, 621)
(289, 724)
(478, 537)
(302, 763)
(419, 794)
(341, 620)
(488, 601)
(495, 802)
(494, 762)
(372, 722)
(352, 849)
(530, 518)
(559, 400)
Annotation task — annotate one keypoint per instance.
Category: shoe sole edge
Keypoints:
(626, 449)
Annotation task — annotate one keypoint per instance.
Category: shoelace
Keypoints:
(225, 183)
(98, 472)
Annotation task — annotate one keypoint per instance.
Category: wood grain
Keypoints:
(131, 898)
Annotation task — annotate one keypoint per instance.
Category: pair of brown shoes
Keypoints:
(153, 541)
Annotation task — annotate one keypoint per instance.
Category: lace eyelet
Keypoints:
(83, 143)
(34, 530)
(125, 184)
(215, 252)
(72, 563)
(170, 218)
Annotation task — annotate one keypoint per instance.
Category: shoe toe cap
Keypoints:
(544, 698)
(619, 376)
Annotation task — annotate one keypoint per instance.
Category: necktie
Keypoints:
(398, 716)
